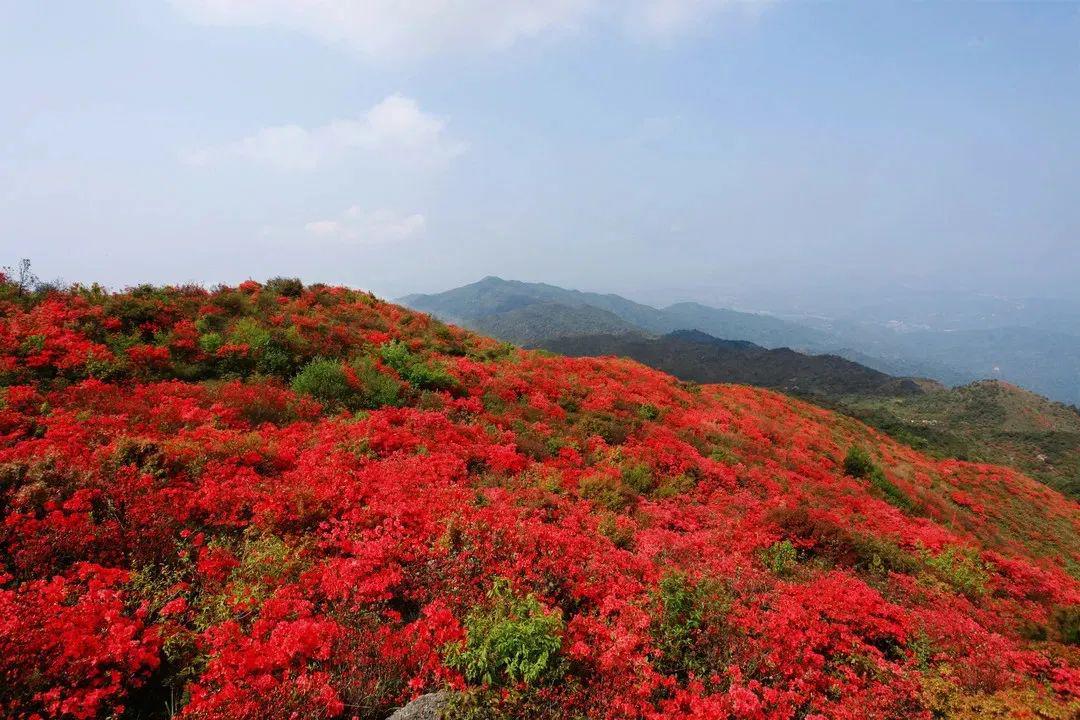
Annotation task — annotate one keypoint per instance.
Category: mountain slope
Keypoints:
(278, 501)
(763, 330)
(530, 323)
(987, 421)
(692, 355)
(493, 296)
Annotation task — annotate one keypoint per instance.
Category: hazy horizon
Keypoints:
(779, 156)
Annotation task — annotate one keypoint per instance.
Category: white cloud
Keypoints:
(400, 29)
(668, 18)
(368, 227)
(396, 129)
(396, 29)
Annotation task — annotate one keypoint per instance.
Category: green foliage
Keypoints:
(961, 568)
(620, 536)
(249, 331)
(606, 491)
(689, 627)
(326, 381)
(648, 412)
(425, 375)
(858, 462)
(513, 640)
(893, 494)
(674, 485)
(210, 342)
(1066, 623)
(376, 389)
(638, 478)
(613, 430)
(289, 287)
(780, 557)
(276, 359)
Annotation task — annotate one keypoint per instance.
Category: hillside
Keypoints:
(692, 355)
(279, 501)
(986, 422)
(493, 295)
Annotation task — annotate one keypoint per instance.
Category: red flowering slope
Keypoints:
(287, 502)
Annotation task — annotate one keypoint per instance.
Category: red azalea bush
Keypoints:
(278, 501)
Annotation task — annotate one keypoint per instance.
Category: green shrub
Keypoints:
(210, 342)
(607, 492)
(326, 381)
(858, 463)
(780, 557)
(1066, 621)
(613, 430)
(415, 370)
(289, 287)
(377, 389)
(689, 627)
(513, 640)
(893, 494)
(961, 568)
(674, 485)
(249, 331)
(638, 478)
(648, 412)
(276, 359)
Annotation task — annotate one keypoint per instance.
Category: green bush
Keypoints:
(648, 412)
(250, 332)
(377, 389)
(893, 494)
(961, 568)
(689, 627)
(425, 375)
(858, 463)
(514, 640)
(210, 342)
(607, 492)
(613, 430)
(289, 287)
(1066, 621)
(276, 359)
(780, 557)
(326, 381)
(638, 478)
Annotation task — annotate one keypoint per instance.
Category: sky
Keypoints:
(736, 153)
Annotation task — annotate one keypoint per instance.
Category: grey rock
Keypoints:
(425, 707)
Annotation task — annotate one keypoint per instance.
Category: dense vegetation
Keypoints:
(278, 501)
(985, 422)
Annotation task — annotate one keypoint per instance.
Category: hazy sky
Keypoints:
(664, 148)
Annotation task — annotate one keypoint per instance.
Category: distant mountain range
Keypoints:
(1042, 359)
